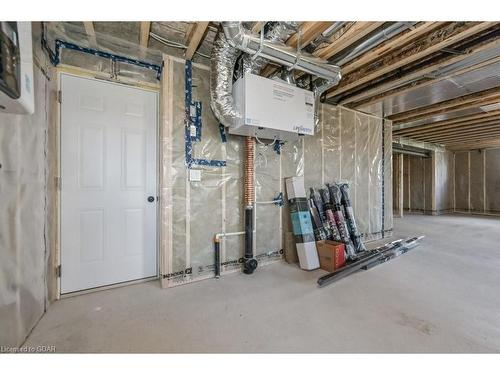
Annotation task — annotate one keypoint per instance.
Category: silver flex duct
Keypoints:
(237, 39)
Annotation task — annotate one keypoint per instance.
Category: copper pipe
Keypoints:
(249, 171)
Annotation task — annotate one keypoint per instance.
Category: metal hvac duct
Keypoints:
(373, 41)
(236, 39)
(244, 40)
(278, 32)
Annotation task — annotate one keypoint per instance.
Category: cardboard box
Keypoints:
(331, 255)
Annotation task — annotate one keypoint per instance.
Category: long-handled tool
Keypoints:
(372, 258)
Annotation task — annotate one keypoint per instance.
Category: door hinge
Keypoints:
(59, 96)
(58, 183)
(58, 271)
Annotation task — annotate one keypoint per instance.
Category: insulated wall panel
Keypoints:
(462, 181)
(492, 180)
(406, 183)
(428, 193)
(417, 182)
(347, 146)
(444, 184)
(476, 179)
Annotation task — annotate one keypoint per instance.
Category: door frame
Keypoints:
(95, 76)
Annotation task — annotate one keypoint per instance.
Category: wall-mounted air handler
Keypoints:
(16, 70)
(272, 109)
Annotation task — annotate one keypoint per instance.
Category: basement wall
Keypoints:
(477, 181)
(428, 183)
(444, 181)
(417, 183)
(24, 227)
(347, 146)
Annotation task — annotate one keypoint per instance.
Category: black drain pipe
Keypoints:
(250, 262)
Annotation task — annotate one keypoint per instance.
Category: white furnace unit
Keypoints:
(272, 109)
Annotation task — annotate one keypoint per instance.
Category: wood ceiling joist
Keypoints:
(469, 132)
(463, 102)
(308, 32)
(194, 39)
(433, 42)
(257, 27)
(454, 127)
(144, 33)
(473, 145)
(420, 78)
(444, 123)
(476, 138)
(90, 31)
(397, 42)
(145, 26)
(459, 129)
(469, 140)
(357, 32)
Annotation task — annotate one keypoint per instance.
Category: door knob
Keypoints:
(151, 199)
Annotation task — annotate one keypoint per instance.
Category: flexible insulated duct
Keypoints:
(221, 79)
(236, 39)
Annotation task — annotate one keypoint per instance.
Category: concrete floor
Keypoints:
(443, 296)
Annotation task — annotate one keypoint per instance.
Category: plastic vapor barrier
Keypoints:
(23, 254)
(477, 181)
(202, 178)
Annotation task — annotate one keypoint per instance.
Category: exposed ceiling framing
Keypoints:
(194, 39)
(413, 64)
(89, 29)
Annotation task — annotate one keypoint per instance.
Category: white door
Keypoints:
(108, 178)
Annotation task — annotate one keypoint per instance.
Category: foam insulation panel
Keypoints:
(348, 146)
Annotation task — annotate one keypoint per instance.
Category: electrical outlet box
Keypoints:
(195, 175)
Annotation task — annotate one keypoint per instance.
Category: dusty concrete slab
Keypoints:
(441, 297)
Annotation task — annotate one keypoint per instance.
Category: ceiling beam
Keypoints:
(89, 30)
(476, 99)
(433, 42)
(404, 38)
(444, 123)
(476, 138)
(145, 26)
(194, 39)
(465, 133)
(460, 130)
(421, 78)
(354, 34)
(257, 27)
(308, 32)
(144, 33)
(473, 145)
(455, 127)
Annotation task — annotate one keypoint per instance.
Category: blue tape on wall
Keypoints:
(191, 121)
(222, 130)
(55, 56)
(277, 146)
